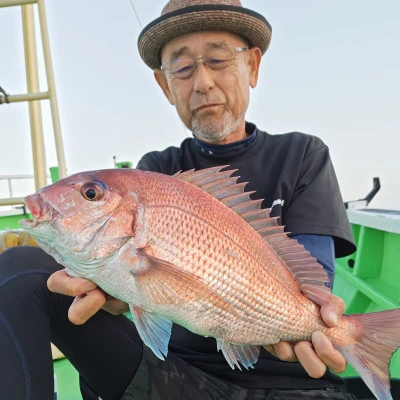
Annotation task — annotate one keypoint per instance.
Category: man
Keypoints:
(206, 57)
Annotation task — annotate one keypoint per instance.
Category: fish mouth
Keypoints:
(27, 223)
(40, 210)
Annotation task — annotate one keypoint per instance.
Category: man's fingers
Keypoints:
(284, 351)
(270, 349)
(327, 354)
(318, 355)
(313, 365)
(115, 306)
(88, 298)
(85, 306)
(332, 312)
(61, 282)
(315, 357)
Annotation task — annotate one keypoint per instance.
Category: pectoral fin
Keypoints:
(154, 330)
(246, 355)
(164, 283)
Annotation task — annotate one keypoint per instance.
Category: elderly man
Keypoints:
(206, 56)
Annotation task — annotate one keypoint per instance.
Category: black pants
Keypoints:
(175, 379)
(106, 350)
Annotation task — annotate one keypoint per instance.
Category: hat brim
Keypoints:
(242, 21)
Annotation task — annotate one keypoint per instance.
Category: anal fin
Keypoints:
(162, 282)
(235, 354)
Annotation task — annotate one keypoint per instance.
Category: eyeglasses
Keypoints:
(215, 59)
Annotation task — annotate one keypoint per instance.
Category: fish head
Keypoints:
(82, 219)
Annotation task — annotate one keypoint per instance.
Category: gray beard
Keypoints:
(211, 132)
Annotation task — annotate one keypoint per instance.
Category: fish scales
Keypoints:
(194, 249)
(221, 257)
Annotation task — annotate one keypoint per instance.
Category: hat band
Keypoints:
(208, 7)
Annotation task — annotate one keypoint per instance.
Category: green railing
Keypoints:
(368, 280)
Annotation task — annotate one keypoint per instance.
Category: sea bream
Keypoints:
(195, 250)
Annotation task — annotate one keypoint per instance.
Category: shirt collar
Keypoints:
(231, 149)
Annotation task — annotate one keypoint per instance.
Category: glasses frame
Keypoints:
(236, 50)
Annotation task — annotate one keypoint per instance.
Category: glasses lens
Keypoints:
(181, 67)
(217, 59)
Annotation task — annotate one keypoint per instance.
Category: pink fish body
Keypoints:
(195, 250)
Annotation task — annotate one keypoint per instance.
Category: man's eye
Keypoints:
(215, 61)
(183, 69)
(181, 64)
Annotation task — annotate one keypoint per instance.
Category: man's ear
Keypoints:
(253, 64)
(163, 83)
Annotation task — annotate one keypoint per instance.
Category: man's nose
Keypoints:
(203, 77)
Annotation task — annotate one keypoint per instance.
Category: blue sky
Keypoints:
(332, 70)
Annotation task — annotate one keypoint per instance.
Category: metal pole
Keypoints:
(15, 98)
(12, 3)
(10, 188)
(12, 202)
(32, 77)
(52, 90)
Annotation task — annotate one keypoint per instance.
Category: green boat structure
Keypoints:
(367, 280)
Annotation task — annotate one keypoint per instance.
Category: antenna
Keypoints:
(137, 15)
(141, 27)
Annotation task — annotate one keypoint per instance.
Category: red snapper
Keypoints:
(195, 250)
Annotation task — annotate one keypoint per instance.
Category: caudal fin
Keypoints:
(370, 355)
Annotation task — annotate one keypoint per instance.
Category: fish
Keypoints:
(196, 250)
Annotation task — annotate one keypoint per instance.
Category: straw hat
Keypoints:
(184, 16)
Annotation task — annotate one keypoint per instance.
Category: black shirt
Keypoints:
(294, 175)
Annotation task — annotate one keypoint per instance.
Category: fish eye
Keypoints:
(92, 191)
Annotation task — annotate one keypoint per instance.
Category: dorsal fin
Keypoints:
(203, 176)
(223, 186)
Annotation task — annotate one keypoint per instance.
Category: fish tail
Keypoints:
(370, 355)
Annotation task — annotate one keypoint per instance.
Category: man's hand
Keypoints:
(317, 355)
(89, 298)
